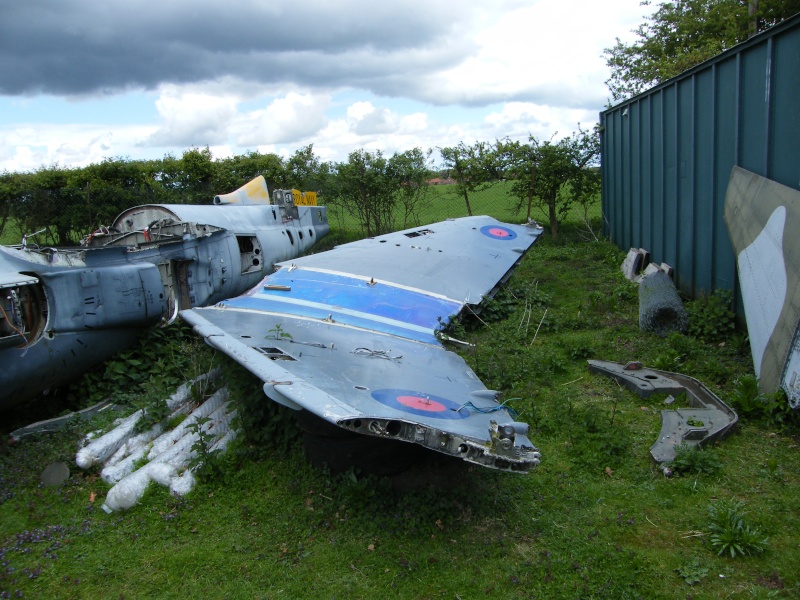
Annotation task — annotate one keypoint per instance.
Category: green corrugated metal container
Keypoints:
(668, 154)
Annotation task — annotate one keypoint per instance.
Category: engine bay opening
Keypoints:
(23, 313)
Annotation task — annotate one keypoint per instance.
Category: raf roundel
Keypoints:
(498, 232)
(420, 404)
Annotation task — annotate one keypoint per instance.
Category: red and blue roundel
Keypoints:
(498, 232)
(423, 405)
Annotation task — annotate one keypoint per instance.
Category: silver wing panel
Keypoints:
(349, 335)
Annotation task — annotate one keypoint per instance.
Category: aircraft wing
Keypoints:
(350, 336)
(763, 218)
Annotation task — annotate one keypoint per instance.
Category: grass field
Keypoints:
(597, 519)
(443, 202)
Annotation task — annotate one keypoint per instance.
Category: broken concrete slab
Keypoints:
(635, 261)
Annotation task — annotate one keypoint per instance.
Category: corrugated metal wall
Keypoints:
(668, 154)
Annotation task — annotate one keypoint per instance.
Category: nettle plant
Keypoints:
(710, 316)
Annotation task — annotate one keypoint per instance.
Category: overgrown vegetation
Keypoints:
(711, 317)
(695, 460)
(597, 519)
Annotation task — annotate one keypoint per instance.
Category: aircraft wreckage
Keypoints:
(351, 338)
(763, 218)
(66, 309)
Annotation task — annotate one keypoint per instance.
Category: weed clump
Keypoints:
(694, 459)
(710, 316)
(730, 534)
(692, 572)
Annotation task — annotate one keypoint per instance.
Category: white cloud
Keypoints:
(491, 70)
(192, 118)
(518, 119)
(29, 147)
(548, 52)
(289, 119)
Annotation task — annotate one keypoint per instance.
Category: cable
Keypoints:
(490, 409)
(10, 324)
(376, 353)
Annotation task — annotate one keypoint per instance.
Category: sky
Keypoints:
(81, 81)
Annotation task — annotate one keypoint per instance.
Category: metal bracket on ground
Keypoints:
(706, 419)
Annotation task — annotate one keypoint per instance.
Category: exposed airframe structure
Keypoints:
(350, 335)
(763, 219)
(64, 310)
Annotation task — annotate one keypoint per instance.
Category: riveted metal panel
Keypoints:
(668, 154)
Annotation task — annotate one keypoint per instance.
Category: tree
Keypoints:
(552, 175)
(47, 202)
(474, 168)
(234, 172)
(409, 172)
(362, 189)
(101, 191)
(11, 189)
(370, 187)
(684, 33)
(306, 172)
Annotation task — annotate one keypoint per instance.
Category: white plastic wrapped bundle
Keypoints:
(100, 450)
(184, 391)
(97, 451)
(170, 437)
(114, 472)
(183, 483)
(169, 467)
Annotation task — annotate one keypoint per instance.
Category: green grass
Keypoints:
(597, 519)
(444, 203)
(11, 234)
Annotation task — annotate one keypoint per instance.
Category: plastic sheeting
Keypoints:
(167, 455)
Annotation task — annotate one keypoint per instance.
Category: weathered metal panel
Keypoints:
(668, 154)
(786, 86)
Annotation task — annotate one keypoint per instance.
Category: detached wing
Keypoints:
(349, 335)
(763, 219)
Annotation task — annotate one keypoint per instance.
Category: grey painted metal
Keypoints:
(763, 218)
(64, 310)
(668, 154)
(707, 418)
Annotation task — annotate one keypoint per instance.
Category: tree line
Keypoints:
(382, 193)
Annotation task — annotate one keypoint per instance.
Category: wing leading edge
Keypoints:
(350, 336)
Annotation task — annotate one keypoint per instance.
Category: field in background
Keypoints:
(496, 201)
